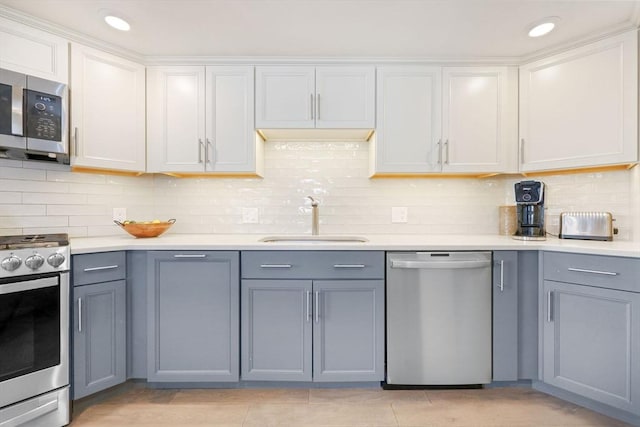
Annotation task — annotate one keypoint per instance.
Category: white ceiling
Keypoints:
(430, 29)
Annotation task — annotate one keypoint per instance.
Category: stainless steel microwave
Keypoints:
(33, 118)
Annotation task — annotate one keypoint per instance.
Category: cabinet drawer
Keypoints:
(593, 270)
(312, 265)
(100, 267)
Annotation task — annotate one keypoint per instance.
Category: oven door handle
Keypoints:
(28, 285)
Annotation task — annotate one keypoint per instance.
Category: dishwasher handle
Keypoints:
(440, 264)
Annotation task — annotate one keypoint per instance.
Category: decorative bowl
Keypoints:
(145, 229)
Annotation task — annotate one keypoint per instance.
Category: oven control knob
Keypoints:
(55, 260)
(34, 262)
(11, 263)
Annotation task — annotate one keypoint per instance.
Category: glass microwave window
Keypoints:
(43, 116)
(29, 331)
(5, 109)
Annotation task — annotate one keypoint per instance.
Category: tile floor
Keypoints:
(135, 405)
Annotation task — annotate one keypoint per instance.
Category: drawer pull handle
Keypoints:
(349, 266)
(106, 267)
(581, 270)
(190, 256)
(275, 265)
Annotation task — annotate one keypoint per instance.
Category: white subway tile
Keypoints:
(22, 210)
(23, 174)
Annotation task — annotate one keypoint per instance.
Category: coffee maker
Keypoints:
(530, 210)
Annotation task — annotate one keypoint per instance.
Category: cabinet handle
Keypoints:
(446, 152)
(308, 306)
(501, 275)
(349, 266)
(75, 141)
(106, 267)
(317, 106)
(200, 148)
(312, 116)
(317, 307)
(439, 144)
(275, 265)
(549, 306)
(79, 314)
(190, 256)
(212, 159)
(522, 151)
(580, 270)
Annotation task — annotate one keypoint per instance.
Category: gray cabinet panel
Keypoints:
(593, 270)
(136, 314)
(591, 343)
(505, 316)
(312, 264)
(98, 267)
(348, 335)
(276, 330)
(192, 316)
(528, 315)
(99, 344)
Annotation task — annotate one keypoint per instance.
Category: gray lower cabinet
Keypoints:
(312, 316)
(192, 316)
(515, 315)
(590, 333)
(99, 323)
(505, 316)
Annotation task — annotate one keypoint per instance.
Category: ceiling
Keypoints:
(429, 29)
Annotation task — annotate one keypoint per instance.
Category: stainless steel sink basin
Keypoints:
(314, 239)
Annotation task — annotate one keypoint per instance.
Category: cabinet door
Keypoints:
(348, 335)
(276, 330)
(27, 50)
(591, 343)
(408, 120)
(230, 139)
(285, 97)
(176, 119)
(579, 108)
(345, 97)
(475, 119)
(505, 316)
(99, 337)
(107, 111)
(192, 316)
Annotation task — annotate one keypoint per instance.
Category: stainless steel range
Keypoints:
(34, 330)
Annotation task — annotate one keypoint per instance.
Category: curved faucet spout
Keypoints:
(315, 221)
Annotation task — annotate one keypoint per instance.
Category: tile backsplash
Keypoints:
(43, 198)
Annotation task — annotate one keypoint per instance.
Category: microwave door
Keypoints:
(11, 106)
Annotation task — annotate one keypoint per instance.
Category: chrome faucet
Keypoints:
(315, 225)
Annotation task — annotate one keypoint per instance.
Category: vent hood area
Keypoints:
(284, 135)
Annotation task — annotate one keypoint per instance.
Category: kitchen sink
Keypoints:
(313, 239)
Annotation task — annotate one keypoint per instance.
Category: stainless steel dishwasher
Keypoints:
(438, 318)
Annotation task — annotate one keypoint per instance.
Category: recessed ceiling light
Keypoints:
(543, 26)
(117, 23)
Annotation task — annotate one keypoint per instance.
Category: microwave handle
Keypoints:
(17, 96)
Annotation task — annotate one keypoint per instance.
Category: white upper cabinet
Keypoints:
(201, 119)
(409, 119)
(579, 108)
(479, 118)
(27, 50)
(453, 120)
(330, 97)
(107, 111)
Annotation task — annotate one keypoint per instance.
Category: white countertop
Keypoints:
(80, 245)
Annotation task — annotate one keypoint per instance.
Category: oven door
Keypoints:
(34, 335)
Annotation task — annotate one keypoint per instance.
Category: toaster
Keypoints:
(587, 226)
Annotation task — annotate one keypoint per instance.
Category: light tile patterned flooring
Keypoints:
(135, 405)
